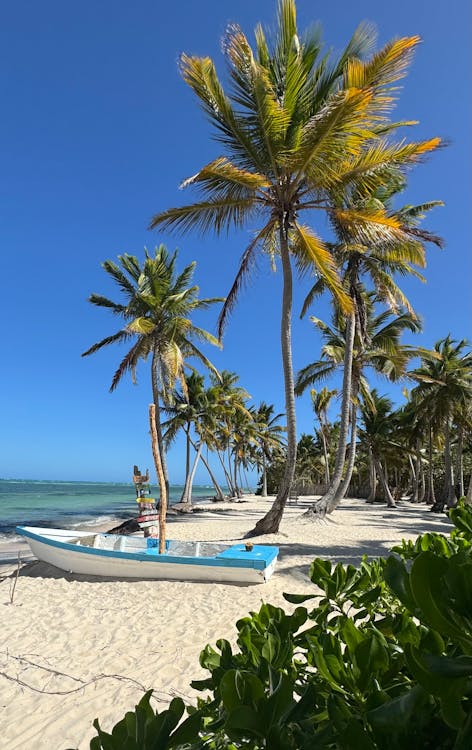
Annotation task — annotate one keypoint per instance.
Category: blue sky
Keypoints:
(97, 132)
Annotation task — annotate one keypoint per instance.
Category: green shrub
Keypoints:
(382, 661)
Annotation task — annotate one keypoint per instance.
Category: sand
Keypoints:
(75, 648)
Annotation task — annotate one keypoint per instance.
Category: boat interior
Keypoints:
(119, 543)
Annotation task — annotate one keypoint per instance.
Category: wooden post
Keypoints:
(161, 479)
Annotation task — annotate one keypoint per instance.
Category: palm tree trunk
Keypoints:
(229, 481)
(372, 478)
(384, 482)
(155, 395)
(344, 486)
(218, 490)
(460, 461)
(448, 495)
(431, 492)
(264, 476)
(325, 454)
(270, 523)
(422, 484)
(188, 500)
(468, 497)
(161, 479)
(187, 461)
(326, 501)
(184, 496)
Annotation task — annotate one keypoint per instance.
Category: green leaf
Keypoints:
(298, 598)
(243, 722)
(396, 715)
(240, 688)
(398, 579)
(187, 732)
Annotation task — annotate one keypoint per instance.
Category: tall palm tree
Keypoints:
(380, 349)
(376, 262)
(156, 313)
(320, 401)
(444, 389)
(293, 127)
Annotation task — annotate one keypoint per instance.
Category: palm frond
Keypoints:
(310, 252)
(115, 307)
(221, 176)
(200, 75)
(211, 215)
(316, 290)
(120, 336)
(245, 267)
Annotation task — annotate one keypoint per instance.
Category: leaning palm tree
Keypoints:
(379, 349)
(365, 260)
(294, 128)
(156, 313)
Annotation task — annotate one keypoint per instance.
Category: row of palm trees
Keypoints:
(415, 446)
(300, 132)
(218, 420)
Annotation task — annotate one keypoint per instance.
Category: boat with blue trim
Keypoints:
(118, 556)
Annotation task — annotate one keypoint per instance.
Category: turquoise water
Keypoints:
(71, 504)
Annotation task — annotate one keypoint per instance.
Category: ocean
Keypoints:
(71, 504)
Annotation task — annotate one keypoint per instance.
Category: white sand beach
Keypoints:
(75, 648)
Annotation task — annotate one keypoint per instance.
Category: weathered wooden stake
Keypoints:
(161, 479)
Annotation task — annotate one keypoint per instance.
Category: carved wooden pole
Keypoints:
(161, 479)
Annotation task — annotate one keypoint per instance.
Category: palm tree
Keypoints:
(444, 390)
(269, 436)
(320, 401)
(379, 431)
(156, 313)
(184, 411)
(380, 349)
(379, 260)
(294, 129)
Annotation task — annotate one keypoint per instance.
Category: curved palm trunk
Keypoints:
(191, 477)
(218, 490)
(344, 486)
(229, 481)
(384, 482)
(327, 500)
(270, 523)
(157, 419)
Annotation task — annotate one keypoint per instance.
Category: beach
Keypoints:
(75, 648)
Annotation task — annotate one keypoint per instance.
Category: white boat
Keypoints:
(119, 556)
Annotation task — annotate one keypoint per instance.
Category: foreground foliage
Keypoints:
(383, 660)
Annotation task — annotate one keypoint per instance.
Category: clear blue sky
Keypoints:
(97, 131)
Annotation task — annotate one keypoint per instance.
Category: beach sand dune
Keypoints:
(75, 648)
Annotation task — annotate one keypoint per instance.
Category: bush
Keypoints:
(382, 661)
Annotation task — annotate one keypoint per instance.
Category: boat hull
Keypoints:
(62, 549)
